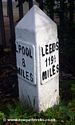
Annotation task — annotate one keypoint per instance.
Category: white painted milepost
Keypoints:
(25, 54)
(37, 60)
(49, 61)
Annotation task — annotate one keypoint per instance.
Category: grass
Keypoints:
(64, 113)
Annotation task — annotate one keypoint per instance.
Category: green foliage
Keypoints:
(61, 113)
(73, 90)
(64, 113)
(2, 116)
(15, 111)
(49, 5)
(71, 105)
(67, 90)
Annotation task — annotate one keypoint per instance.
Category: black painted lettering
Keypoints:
(57, 45)
(53, 47)
(46, 62)
(51, 59)
(27, 75)
(44, 75)
(23, 62)
(27, 51)
(23, 50)
(50, 48)
(57, 68)
(30, 53)
(23, 74)
(31, 77)
(19, 48)
(46, 49)
(53, 69)
(50, 72)
(54, 58)
(43, 54)
(18, 70)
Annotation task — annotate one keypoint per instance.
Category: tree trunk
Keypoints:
(30, 3)
(20, 9)
(52, 9)
(41, 4)
(61, 13)
(12, 29)
(2, 29)
(71, 10)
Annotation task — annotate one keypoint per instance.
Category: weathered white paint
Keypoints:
(36, 30)
(25, 54)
